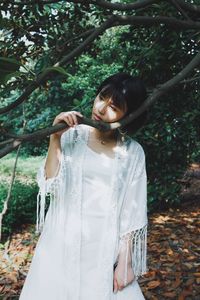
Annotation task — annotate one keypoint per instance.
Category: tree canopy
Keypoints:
(55, 53)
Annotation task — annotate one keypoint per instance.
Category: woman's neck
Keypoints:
(110, 135)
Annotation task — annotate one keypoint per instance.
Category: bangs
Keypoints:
(110, 91)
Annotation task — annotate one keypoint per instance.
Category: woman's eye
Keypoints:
(113, 108)
(101, 98)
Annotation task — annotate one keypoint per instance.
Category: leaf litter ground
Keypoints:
(173, 256)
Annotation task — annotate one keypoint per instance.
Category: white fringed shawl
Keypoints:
(126, 229)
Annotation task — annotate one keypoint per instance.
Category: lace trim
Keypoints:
(48, 187)
(52, 186)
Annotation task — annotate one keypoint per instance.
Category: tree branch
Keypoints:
(119, 6)
(98, 31)
(108, 5)
(66, 59)
(81, 35)
(152, 21)
(180, 9)
(114, 20)
(191, 80)
(104, 4)
(164, 88)
(188, 6)
(11, 145)
(6, 142)
(157, 93)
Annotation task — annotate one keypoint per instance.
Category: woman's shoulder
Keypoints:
(134, 147)
(137, 155)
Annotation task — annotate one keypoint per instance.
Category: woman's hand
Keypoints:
(118, 280)
(70, 117)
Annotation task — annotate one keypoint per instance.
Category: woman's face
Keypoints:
(105, 110)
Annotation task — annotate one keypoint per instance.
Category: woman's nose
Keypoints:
(102, 108)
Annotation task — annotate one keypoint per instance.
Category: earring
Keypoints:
(122, 133)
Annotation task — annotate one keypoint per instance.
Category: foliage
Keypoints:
(8, 68)
(22, 204)
(46, 32)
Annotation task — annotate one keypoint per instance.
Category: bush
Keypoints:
(23, 201)
(21, 206)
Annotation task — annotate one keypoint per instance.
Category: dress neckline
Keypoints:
(99, 154)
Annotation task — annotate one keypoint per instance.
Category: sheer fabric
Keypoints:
(125, 234)
(133, 242)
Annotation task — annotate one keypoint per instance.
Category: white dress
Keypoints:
(45, 279)
(96, 183)
(96, 194)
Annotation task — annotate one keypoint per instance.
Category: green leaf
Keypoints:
(42, 64)
(8, 68)
(57, 69)
(76, 102)
(9, 64)
(4, 23)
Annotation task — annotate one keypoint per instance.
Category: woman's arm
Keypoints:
(50, 173)
(133, 222)
(131, 260)
(124, 267)
(53, 157)
(54, 151)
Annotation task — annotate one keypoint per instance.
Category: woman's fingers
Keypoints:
(119, 276)
(115, 285)
(69, 117)
(69, 120)
(74, 117)
(78, 113)
(120, 287)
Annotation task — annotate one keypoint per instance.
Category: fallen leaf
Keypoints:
(153, 284)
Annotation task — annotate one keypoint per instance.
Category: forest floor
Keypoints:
(173, 255)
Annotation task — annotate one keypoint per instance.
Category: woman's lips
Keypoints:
(97, 117)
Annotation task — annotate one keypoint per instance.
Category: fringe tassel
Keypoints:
(47, 187)
(139, 252)
(136, 243)
(52, 192)
(126, 262)
(41, 202)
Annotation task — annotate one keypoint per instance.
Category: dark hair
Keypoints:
(126, 89)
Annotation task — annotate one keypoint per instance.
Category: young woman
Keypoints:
(93, 239)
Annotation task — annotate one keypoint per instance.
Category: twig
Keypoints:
(66, 59)
(170, 22)
(6, 142)
(5, 204)
(158, 92)
(114, 20)
(190, 80)
(81, 35)
(189, 7)
(179, 8)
